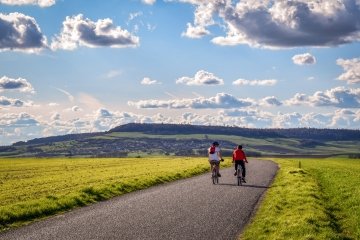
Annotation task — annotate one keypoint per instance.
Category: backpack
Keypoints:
(212, 149)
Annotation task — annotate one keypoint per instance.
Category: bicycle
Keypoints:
(239, 175)
(215, 172)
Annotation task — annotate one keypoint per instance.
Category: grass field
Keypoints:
(35, 188)
(316, 199)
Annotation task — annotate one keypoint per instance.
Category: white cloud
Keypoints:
(79, 31)
(10, 102)
(41, 3)
(53, 104)
(20, 33)
(267, 82)
(340, 97)
(270, 101)
(76, 109)
(148, 81)
(55, 116)
(287, 120)
(18, 120)
(343, 118)
(70, 97)
(201, 78)
(195, 32)
(221, 100)
(19, 84)
(304, 59)
(103, 113)
(134, 15)
(149, 2)
(280, 24)
(352, 70)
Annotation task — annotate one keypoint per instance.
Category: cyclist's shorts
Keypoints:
(214, 162)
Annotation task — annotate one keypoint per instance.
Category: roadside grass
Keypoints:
(35, 188)
(310, 199)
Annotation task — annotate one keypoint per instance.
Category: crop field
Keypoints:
(35, 188)
(310, 199)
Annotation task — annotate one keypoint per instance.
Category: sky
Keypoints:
(76, 66)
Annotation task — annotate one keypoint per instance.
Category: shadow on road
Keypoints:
(235, 185)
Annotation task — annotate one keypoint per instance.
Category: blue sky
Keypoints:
(87, 66)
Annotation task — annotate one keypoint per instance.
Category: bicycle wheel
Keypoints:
(239, 175)
(214, 176)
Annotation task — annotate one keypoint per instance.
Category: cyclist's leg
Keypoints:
(217, 165)
(236, 166)
(242, 163)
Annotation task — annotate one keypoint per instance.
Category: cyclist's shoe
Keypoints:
(235, 173)
(219, 175)
(243, 179)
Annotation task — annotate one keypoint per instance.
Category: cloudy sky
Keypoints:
(70, 66)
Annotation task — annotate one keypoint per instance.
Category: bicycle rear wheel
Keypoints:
(239, 175)
(214, 176)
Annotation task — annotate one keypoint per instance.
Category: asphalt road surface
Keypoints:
(192, 208)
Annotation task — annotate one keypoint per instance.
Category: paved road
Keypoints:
(193, 208)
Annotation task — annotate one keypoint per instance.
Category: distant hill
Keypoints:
(135, 139)
(300, 133)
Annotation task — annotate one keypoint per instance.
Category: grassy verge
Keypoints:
(320, 200)
(35, 188)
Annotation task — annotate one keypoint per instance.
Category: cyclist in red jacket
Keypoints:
(239, 157)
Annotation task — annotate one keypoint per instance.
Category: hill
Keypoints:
(136, 139)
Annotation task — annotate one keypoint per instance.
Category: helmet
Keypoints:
(216, 144)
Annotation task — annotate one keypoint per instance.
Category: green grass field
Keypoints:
(318, 200)
(35, 188)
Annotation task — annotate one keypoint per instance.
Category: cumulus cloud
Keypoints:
(103, 113)
(55, 116)
(20, 33)
(304, 59)
(280, 24)
(76, 109)
(203, 18)
(19, 84)
(195, 31)
(41, 3)
(10, 102)
(270, 101)
(340, 97)
(148, 81)
(343, 118)
(18, 120)
(352, 70)
(221, 100)
(201, 78)
(79, 31)
(267, 82)
(287, 120)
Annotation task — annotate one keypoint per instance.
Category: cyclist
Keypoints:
(239, 157)
(215, 157)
